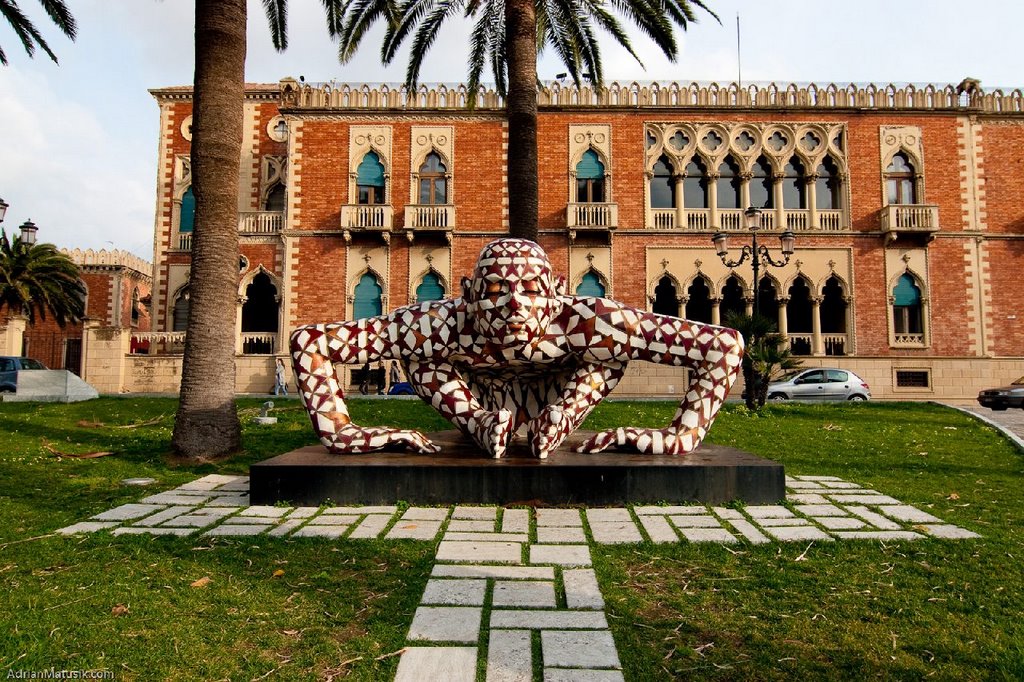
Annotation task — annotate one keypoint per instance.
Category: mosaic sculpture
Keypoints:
(516, 350)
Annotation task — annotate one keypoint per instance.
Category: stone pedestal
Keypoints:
(712, 475)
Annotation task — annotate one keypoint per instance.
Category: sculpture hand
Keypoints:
(647, 441)
(352, 439)
(547, 431)
(492, 431)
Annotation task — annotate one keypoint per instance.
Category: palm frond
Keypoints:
(362, 14)
(277, 18)
(426, 34)
(58, 12)
(335, 10)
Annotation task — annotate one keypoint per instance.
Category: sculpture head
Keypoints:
(512, 296)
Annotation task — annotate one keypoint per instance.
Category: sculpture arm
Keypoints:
(711, 354)
(319, 350)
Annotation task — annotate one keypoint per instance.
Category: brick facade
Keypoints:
(963, 242)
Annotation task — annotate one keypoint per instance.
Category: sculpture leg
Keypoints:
(441, 385)
(584, 390)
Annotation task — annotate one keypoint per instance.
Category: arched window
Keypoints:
(729, 184)
(695, 185)
(794, 191)
(666, 299)
(590, 286)
(259, 312)
(768, 300)
(187, 219)
(761, 195)
(906, 306)
(698, 303)
(798, 316)
(430, 288)
(370, 180)
(590, 179)
(367, 298)
(179, 318)
(833, 307)
(827, 186)
(275, 199)
(899, 181)
(135, 306)
(732, 300)
(433, 180)
(663, 193)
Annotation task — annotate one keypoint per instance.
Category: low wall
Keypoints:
(162, 373)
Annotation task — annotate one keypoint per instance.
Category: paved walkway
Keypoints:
(528, 569)
(1009, 422)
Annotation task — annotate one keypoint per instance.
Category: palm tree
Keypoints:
(38, 280)
(766, 356)
(207, 421)
(507, 35)
(26, 30)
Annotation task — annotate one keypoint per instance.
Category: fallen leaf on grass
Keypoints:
(87, 455)
(119, 610)
(202, 582)
(953, 496)
(831, 427)
(90, 424)
(290, 633)
(278, 573)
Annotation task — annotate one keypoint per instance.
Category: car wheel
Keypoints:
(777, 397)
(998, 408)
(857, 398)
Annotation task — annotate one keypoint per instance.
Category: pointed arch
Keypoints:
(432, 286)
(698, 299)
(665, 294)
(180, 308)
(663, 182)
(591, 283)
(367, 296)
(590, 173)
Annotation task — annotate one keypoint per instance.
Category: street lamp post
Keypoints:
(758, 254)
(28, 228)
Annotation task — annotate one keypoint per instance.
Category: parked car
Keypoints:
(819, 383)
(9, 366)
(1004, 396)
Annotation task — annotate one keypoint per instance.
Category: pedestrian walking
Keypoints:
(280, 382)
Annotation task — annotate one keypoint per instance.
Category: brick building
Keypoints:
(117, 287)
(905, 203)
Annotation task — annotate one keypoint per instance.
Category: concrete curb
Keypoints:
(1005, 430)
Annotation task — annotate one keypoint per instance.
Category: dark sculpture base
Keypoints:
(713, 475)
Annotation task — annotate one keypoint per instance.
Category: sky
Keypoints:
(79, 158)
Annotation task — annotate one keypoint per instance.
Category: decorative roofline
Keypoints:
(112, 258)
(967, 96)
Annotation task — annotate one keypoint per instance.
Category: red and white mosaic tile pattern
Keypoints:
(516, 350)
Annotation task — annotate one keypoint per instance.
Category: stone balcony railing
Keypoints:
(260, 222)
(603, 216)
(909, 219)
(173, 343)
(430, 217)
(908, 340)
(366, 217)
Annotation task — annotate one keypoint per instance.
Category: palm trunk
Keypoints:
(521, 54)
(207, 421)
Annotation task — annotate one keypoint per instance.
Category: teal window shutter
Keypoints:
(590, 167)
(430, 289)
(906, 292)
(370, 172)
(188, 212)
(367, 298)
(590, 286)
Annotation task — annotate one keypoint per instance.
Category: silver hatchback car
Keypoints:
(819, 383)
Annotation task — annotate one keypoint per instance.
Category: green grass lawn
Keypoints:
(316, 609)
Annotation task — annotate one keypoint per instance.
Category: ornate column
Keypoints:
(780, 211)
(745, 178)
(810, 187)
(678, 193)
(784, 321)
(716, 310)
(713, 200)
(817, 343)
(238, 325)
(749, 301)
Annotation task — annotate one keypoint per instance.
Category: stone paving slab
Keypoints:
(560, 555)
(576, 675)
(515, 521)
(695, 522)
(904, 512)
(237, 529)
(446, 624)
(579, 649)
(134, 530)
(467, 526)
(536, 594)
(475, 513)
(510, 656)
(128, 512)
(559, 517)
(320, 532)
(658, 529)
(510, 572)
(749, 532)
(948, 532)
(798, 533)
(548, 620)
(437, 664)
(87, 527)
(615, 532)
(160, 517)
(483, 552)
(371, 527)
(455, 592)
(708, 535)
(581, 589)
(406, 529)
(553, 534)
(265, 512)
(487, 537)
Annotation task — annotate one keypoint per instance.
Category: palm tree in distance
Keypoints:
(28, 33)
(38, 280)
(766, 356)
(507, 36)
(206, 424)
